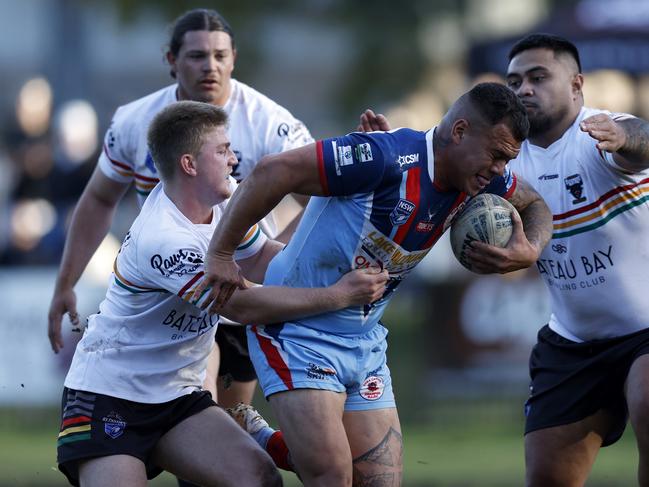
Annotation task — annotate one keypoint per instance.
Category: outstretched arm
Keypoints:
(627, 140)
(294, 171)
(90, 223)
(532, 231)
(273, 304)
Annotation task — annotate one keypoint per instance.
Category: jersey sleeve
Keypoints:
(504, 185)
(116, 158)
(355, 163)
(284, 132)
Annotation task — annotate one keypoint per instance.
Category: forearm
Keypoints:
(272, 304)
(253, 200)
(537, 223)
(636, 147)
(90, 223)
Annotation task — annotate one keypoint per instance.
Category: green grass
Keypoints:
(458, 444)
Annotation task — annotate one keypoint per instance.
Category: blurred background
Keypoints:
(458, 343)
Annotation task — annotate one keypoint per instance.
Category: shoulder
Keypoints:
(143, 109)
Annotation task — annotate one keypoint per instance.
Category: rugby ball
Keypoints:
(486, 218)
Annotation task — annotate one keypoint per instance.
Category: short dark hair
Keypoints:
(197, 19)
(498, 104)
(557, 44)
(180, 128)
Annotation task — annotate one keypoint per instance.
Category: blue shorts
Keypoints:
(288, 356)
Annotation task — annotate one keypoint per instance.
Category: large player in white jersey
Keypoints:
(201, 55)
(132, 403)
(589, 367)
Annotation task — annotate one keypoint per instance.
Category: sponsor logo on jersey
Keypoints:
(363, 152)
(342, 156)
(314, 371)
(401, 212)
(424, 226)
(405, 161)
(114, 425)
(547, 177)
(559, 248)
(372, 388)
(180, 263)
(293, 132)
(575, 185)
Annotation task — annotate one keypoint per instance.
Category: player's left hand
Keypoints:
(371, 122)
(518, 254)
(610, 136)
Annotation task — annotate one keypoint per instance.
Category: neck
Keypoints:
(189, 204)
(440, 145)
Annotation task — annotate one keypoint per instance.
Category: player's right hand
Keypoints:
(222, 277)
(363, 286)
(371, 122)
(63, 301)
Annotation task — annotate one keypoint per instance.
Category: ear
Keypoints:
(234, 57)
(188, 165)
(171, 59)
(459, 130)
(577, 84)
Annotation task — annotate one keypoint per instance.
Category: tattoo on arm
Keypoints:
(382, 465)
(636, 147)
(536, 216)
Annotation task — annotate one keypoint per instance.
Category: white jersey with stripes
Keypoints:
(596, 265)
(150, 341)
(257, 127)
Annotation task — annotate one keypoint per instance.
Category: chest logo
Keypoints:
(575, 185)
(401, 212)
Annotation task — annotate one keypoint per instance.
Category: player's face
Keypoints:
(214, 165)
(481, 155)
(548, 85)
(204, 66)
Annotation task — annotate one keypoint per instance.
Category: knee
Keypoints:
(337, 473)
(265, 474)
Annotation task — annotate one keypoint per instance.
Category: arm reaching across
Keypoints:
(294, 171)
(90, 224)
(627, 140)
(272, 304)
(532, 231)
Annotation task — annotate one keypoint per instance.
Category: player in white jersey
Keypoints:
(132, 403)
(590, 364)
(201, 55)
(390, 196)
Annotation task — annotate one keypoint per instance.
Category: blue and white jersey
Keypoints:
(382, 209)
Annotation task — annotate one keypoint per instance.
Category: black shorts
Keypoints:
(235, 359)
(94, 425)
(571, 381)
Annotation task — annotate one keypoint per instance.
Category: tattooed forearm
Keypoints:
(536, 216)
(636, 147)
(382, 465)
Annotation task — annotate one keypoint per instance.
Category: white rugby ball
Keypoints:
(486, 218)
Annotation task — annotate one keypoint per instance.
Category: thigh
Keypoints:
(376, 446)
(637, 396)
(562, 456)
(209, 448)
(111, 471)
(311, 421)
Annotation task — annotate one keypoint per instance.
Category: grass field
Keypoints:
(461, 444)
